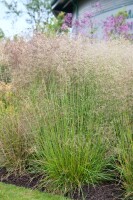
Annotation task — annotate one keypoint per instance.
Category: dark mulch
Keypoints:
(105, 191)
(28, 180)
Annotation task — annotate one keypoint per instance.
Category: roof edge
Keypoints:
(62, 5)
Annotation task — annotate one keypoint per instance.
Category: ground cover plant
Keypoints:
(66, 114)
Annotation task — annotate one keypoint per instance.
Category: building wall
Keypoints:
(108, 8)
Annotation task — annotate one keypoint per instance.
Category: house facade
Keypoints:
(106, 9)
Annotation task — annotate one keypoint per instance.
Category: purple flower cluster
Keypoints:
(64, 27)
(115, 26)
(67, 22)
(87, 25)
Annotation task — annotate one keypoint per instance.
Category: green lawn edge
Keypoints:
(11, 192)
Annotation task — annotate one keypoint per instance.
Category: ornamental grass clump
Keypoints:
(69, 96)
(70, 151)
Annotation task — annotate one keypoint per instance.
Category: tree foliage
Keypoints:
(37, 11)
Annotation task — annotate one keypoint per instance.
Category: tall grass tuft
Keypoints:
(70, 151)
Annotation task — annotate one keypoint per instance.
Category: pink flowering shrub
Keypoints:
(116, 26)
(67, 22)
(88, 25)
(113, 27)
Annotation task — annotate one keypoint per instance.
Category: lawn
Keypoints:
(11, 192)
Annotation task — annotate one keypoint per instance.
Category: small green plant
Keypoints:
(2, 35)
(5, 74)
(55, 24)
